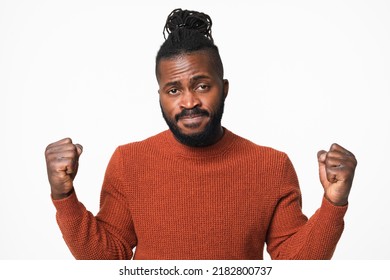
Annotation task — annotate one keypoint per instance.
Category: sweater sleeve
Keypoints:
(291, 235)
(108, 235)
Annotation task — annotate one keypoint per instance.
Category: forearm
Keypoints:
(86, 236)
(318, 237)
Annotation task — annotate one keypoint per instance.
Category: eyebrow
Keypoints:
(169, 84)
(192, 80)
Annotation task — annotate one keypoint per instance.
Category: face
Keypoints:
(192, 96)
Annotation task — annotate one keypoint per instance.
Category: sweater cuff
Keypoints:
(69, 207)
(333, 212)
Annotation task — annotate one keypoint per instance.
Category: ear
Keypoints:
(225, 88)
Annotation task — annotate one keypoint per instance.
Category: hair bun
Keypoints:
(191, 20)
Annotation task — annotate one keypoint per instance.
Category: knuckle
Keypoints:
(332, 154)
(67, 140)
(49, 149)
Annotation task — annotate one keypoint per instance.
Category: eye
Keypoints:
(202, 87)
(173, 91)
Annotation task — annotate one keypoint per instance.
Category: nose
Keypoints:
(189, 100)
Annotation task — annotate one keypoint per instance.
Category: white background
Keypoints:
(303, 74)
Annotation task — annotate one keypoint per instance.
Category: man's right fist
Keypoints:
(62, 161)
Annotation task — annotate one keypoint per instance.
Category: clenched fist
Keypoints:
(337, 169)
(62, 161)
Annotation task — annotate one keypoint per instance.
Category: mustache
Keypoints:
(192, 112)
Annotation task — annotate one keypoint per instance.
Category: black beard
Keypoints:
(202, 139)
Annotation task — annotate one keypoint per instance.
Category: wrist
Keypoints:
(58, 196)
(340, 202)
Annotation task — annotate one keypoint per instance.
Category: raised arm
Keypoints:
(291, 235)
(108, 235)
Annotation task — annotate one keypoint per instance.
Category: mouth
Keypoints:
(192, 116)
(192, 121)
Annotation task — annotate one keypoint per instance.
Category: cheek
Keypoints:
(212, 105)
(168, 107)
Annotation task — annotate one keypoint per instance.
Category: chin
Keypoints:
(192, 131)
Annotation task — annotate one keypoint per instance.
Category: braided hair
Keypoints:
(186, 32)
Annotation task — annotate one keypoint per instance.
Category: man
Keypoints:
(197, 190)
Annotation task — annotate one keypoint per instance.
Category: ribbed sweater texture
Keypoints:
(163, 200)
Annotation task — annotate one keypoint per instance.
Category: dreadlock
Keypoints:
(186, 32)
(189, 19)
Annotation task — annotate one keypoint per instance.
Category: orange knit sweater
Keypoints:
(170, 201)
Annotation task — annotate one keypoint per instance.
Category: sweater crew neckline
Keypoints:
(216, 149)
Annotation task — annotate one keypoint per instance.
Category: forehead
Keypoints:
(185, 66)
